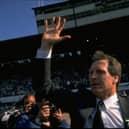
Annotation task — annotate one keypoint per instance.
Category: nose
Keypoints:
(92, 79)
(92, 75)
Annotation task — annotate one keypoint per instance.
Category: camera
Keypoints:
(34, 110)
(54, 108)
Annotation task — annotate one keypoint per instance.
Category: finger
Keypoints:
(58, 23)
(65, 37)
(53, 20)
(46, 24)
(62, 24)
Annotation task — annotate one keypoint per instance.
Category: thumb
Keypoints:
(65, 37)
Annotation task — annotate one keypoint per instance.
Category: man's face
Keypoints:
(102, 83)
(29, 102)
(45, 111)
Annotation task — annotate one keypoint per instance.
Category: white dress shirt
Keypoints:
(110, 112)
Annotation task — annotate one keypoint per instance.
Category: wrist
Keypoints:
(43, 53)
(45, 45)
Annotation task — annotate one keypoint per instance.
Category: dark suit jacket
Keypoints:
(78, 104)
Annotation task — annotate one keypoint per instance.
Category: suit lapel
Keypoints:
(86, 112)
(124, 104)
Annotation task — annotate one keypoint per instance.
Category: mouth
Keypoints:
(95, 86)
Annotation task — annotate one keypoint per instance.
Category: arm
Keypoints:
(50, 37)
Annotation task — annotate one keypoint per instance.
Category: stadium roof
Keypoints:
(110, 36)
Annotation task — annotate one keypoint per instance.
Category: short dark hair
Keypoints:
(114, 66)
(45, 102)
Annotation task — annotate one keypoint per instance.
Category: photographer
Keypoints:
(57, 119)
(44, 113)
(51, 116)
(27, 119)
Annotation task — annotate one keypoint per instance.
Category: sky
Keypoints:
(17, 17)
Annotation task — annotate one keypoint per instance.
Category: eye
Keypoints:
(99, 71)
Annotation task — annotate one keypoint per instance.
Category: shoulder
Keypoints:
(64, 124)
(23, 117)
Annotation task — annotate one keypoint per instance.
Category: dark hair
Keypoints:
(114, 66)
(45, 102)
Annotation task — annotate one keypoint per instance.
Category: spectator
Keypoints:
(44, 113)
(51, 116)
(28, 118)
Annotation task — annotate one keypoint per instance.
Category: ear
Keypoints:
(116, 79)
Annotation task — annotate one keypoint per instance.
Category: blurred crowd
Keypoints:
(27, 113)
(15, 87)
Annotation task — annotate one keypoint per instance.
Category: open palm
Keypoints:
(53, 31)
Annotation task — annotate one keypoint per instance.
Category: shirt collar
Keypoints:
(110, 101)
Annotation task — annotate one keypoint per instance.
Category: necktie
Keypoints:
(97, 122)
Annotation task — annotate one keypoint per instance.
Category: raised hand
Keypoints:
(52, 33)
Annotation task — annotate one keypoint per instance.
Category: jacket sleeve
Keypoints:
(41, 77)
(43, 86)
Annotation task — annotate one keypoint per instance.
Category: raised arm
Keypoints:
(51, 36)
